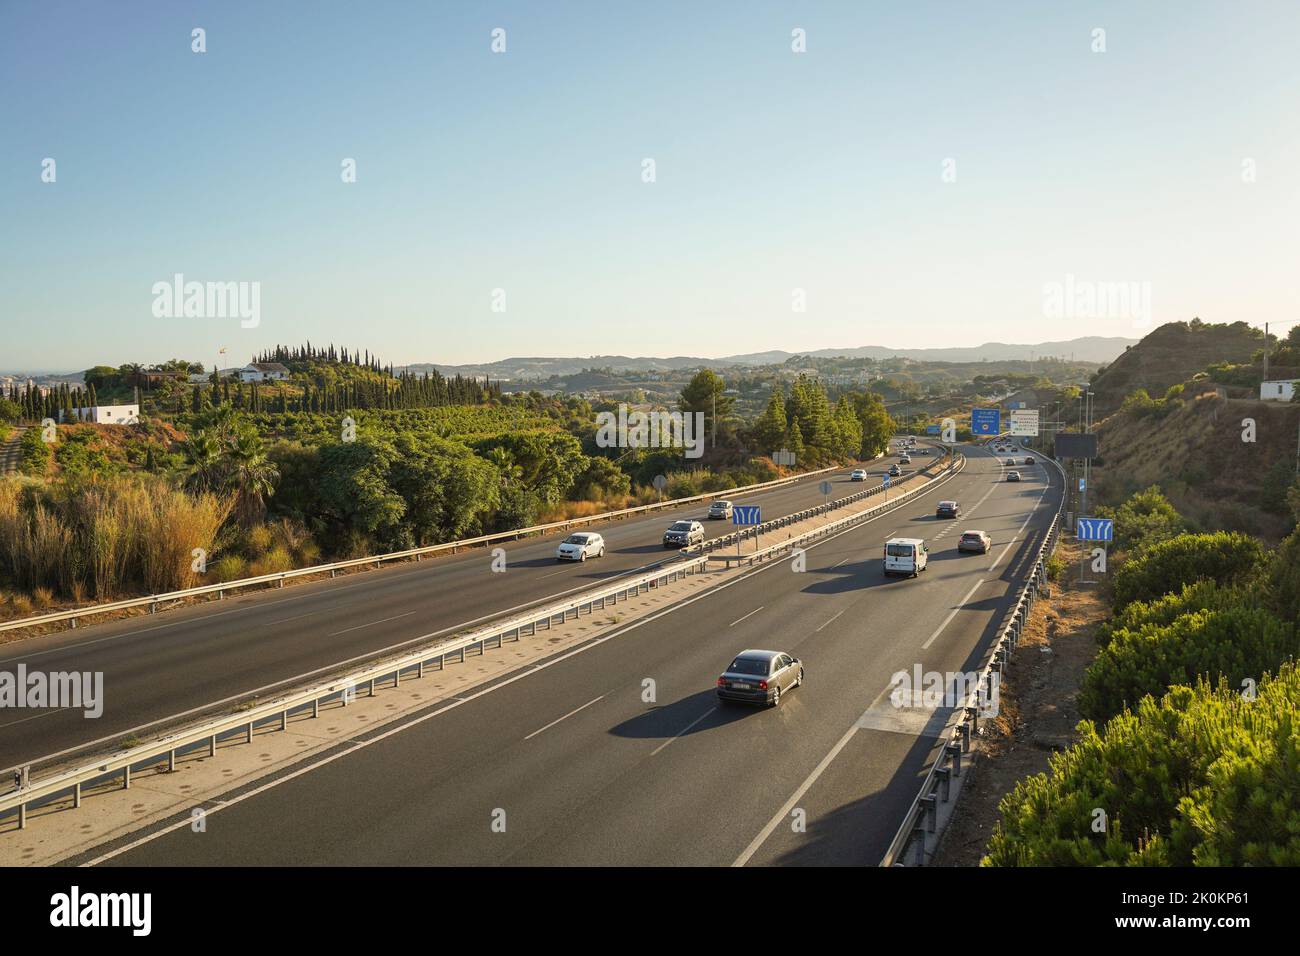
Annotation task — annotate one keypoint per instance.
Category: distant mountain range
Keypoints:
(1092, 348)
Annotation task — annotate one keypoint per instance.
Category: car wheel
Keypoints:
(601, 553)
(582, 558)
(776, 696)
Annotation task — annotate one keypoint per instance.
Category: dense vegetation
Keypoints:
(346, 458)
(1191, 750)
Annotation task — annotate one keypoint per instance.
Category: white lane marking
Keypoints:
(1029, 517)
(840, 561)
(46, 713)
(565, 717)
(951, 615)
(685, 730)
(371, 623)
(750, 614)
(790, 804)
(831, 621)
(296, 617)
(224, 804)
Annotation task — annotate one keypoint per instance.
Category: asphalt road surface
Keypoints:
(161, 666)
(571, 765)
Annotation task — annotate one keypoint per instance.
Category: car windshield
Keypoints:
(576, 539)
(719, 505)
(681, 526)
(748, 665)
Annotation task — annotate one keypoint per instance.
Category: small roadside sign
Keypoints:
(1096, 529)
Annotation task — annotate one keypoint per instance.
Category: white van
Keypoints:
(905, 556)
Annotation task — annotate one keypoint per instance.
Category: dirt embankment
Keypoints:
(1038, 708)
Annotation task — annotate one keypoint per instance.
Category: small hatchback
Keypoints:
(858, 474)
(721, 509)
(976, 542)
(947, 509)
(1013, 476)
(580, 547)
(760, 677)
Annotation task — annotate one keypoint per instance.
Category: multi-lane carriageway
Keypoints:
(586, 772)
(255, 642)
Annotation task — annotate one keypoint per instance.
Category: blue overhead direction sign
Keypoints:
(932, 429)
(1096, 529)
(985, 421)
(746, 514)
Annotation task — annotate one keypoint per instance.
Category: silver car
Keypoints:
(760, 677)
(721, 509)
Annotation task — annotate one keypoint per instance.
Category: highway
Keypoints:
(160, 666)
(583, 771)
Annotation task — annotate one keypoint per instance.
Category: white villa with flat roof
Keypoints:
(106, 414)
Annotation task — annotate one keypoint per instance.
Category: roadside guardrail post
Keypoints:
(944, 775)
(76, 795)
(954, 752)
(918, 837)
(171, 760)
(929, 812)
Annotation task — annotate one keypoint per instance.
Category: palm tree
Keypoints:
(206, 468)
(251, 474)
(505, 463)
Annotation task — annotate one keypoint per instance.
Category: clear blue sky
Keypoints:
(522, 171)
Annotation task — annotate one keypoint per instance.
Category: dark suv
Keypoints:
(947, 509)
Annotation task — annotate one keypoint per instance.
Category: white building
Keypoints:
(1279, 391)
(263, 372)
(106, 414)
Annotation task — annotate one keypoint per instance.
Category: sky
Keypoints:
(923, 174)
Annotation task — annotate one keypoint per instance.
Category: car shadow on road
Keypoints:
(682, 718)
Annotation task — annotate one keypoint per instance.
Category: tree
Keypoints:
(769, 430)
(706, 393)
(250, 474)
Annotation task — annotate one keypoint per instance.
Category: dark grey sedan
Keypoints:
(760, 677)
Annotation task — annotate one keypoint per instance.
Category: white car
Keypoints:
(580, 547)
(859, 474)
(721, 509)
(894, 471)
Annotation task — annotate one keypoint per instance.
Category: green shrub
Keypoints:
(1146, 518)
(1200, 777)
(34, 453)
(229, 567)
(1197, 596)
(1228, 557)
(1232, 643)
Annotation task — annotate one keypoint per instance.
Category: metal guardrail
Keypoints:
(207, 733)
(849, 520)
(921, 819)
(154, 601)
(744, 534)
